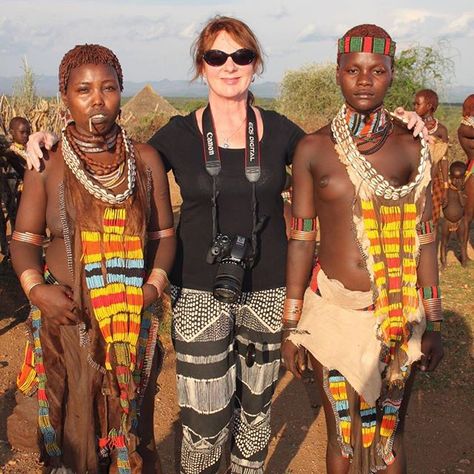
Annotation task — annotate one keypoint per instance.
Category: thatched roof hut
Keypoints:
(145, 103)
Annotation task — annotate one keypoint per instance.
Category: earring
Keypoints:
(204, 80)
(253, 78)
(120, 115)
(67, 118)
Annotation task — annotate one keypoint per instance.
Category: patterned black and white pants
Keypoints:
(227, 362)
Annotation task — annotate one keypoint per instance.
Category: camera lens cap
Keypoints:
(250, 355)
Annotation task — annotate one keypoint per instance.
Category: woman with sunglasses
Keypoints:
(228, 354)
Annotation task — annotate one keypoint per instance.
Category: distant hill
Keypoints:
(48, 86)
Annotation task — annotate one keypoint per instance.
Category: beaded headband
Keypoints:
(366, 44)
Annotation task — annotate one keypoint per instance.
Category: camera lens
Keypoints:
(228, 282)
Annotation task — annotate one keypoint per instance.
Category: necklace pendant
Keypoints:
(225, 144)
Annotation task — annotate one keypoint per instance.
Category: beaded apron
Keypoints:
(385, 221)
(108, 253)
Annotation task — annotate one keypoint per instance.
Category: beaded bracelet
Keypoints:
(29, 279)
(161, 234)
(28, 238)
(303, 228)
(434, 326)
(426, 232)
(159, 279)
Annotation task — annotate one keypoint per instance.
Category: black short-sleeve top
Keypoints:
(180, 145)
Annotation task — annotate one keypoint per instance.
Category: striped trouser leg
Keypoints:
(203, 332)
(258, 333)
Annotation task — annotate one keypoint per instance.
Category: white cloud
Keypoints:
(314, 32)
(461, 26)
(190, 31)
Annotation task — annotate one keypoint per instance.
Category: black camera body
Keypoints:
(234, 256)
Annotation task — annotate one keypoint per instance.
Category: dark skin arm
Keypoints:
(466, 140)
(300, 253)
(442, 133)
(159, 253)
(54, 301)
(427, 273)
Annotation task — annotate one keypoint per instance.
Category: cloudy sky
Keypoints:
(152, 37)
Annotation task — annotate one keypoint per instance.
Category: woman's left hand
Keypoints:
(150, 295)
(415, 122)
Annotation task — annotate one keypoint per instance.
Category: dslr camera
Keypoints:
(234, 256)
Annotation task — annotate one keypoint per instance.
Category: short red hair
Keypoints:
(430, 96)
(468, 106)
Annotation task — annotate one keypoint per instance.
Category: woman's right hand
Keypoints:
(36, 141)
(55, 303)
(293, 356)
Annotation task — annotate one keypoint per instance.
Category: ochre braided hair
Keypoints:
(87, 54)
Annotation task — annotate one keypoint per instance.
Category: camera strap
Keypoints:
(252, 165)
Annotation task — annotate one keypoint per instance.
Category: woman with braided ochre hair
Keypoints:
(368, 182)
(93, 355)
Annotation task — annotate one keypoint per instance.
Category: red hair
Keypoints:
(430, 96)
(468, 106)
(236, 29)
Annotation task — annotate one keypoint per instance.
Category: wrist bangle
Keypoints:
(29, 279)
(292, 309)
(159, 279)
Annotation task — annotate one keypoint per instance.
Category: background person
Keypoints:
(453, 212)
(466, 140)
(425, 104)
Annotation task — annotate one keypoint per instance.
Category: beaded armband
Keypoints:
(161, 234)
(303, 228)
(292, 310)
(426, 232)
(159, 279)
(28, 238)
(29, 279)
(431, 297)
(434, 326)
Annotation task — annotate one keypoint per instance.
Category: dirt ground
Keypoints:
(440, 421)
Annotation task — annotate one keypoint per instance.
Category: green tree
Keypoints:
(420, 67)
(310, 95)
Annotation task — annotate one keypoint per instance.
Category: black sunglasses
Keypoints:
(241, 57)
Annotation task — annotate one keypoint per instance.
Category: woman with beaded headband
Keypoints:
(93, 354)
(466, 139)
(425, 105)
(372, 307)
